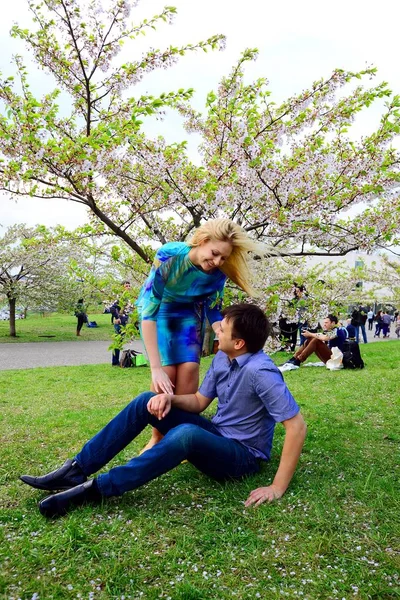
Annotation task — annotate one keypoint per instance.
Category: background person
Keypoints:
(378, 324)
(319, 343)
(185, 286)
(80, 313)
(358, 320)
(386, 322)
(289, 328)
(370, 317)
(397, 324)
(351, 330)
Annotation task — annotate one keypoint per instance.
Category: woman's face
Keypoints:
(211, 254)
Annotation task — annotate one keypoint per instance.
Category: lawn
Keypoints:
(334, 535)
(54, 327)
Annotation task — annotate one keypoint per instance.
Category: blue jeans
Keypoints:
(364, 334)
(115, 353)
(186, 436)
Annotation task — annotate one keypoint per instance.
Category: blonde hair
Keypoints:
(236, 266)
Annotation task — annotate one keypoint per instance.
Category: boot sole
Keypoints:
(49, 489)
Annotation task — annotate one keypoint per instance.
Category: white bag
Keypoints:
(336, 361)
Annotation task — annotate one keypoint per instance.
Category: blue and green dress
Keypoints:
(179, 296)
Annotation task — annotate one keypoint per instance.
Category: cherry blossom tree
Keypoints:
(34, 266)
(386, 276)
(288, 172)
(48, 154)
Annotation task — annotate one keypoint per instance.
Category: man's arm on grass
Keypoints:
(296, 430)
(160, 405)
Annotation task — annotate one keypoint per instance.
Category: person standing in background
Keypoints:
(370, 317)
(379, 324)
(80, 313)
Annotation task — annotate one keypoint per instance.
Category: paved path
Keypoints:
(56, 354)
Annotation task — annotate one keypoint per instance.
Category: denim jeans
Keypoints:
(364, 334)
(186, 436)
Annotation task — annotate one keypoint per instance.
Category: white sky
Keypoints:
(298, 43)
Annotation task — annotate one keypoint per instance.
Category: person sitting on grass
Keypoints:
(351, 330)
(319, 343)
(252, 397)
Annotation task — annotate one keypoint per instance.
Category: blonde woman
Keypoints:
(185, 286)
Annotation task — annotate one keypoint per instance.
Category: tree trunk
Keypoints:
(11, 304)
(208, 340)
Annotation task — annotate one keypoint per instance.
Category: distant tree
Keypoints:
(386, 274)
(34, 270)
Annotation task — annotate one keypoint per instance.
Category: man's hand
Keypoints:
(263, 494)
(307, 334)
(160, 405)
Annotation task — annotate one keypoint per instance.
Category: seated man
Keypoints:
(252, 397)
(319, 343)
(351, 330)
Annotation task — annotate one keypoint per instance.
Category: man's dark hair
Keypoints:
(332, 318)
(249, 323)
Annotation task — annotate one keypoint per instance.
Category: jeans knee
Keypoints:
(144, 397)
(140, 401)
(185, 435)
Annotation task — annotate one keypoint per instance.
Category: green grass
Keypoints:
(334, 535)
(56, 328)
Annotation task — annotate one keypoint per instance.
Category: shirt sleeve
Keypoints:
(153, 289)
(332, 334)
(271, 388)
(208, 387)
(214, 303)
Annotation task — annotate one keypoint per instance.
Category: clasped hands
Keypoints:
(160, 405)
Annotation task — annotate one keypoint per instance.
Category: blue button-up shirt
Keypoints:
(252, 397)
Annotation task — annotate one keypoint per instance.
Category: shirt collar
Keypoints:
(242, 359)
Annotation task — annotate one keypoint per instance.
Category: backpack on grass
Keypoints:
(132, 358)
(352, 356)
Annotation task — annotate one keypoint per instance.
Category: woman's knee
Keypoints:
(187, 378)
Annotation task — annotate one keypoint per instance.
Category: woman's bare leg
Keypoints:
(156, 436)
(187, 378)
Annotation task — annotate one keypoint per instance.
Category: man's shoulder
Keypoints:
(260, 361)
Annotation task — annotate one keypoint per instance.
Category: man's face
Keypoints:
(328, 324)
(226, 343)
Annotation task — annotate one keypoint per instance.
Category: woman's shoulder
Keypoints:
(171, 249)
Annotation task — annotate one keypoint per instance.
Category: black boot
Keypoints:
(67, 476)
(58, 505)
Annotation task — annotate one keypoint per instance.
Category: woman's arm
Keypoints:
(160, 379)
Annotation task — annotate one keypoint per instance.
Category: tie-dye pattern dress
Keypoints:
(179, 296)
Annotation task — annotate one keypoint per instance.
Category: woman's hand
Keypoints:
(161, 381)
